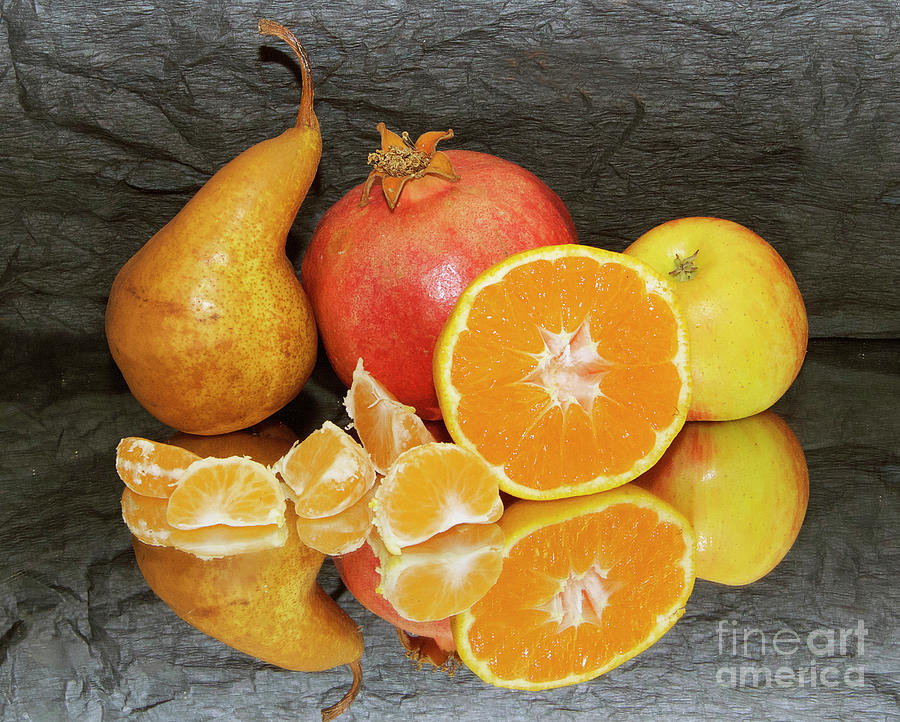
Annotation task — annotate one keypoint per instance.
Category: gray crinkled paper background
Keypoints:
(780, 115)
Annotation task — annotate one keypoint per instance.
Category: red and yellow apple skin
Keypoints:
(744, 485)
(746, 318)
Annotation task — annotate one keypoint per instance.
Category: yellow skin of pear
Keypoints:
(208, 322)
(267, 604)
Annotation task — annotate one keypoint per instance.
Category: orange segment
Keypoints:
(146, 518)
(151, 468)
(431, 488)
(235, 491)
(326, 473)
(340, 533)
(386, 427)
(587, 583)
(444, 575)
(567, 368)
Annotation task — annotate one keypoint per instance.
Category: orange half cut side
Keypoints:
(566, 368)
(587, 583)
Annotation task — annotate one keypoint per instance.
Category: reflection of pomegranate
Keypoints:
(382, 282)
(359, 571)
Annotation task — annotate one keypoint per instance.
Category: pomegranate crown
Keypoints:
(399, 161)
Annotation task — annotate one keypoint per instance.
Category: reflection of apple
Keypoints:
(744, 486)
(746, 318)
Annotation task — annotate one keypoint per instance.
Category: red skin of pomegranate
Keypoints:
(359, 572)
(382, 283)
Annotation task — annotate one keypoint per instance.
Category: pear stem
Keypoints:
(341, 706)
(305, 116)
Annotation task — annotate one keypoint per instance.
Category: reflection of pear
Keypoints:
(266, 604)
(208, 322)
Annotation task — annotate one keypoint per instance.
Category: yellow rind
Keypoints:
(449, 397)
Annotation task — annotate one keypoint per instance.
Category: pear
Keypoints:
(208, 322)
(267, 604)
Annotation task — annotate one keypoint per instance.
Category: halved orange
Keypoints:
(385, 426)
(431, 488)
(151, 468)
(146, 519)
(587, 583)
(235, 491)
(566, 368)
(326, 472)
(443, 575)
(339, 533)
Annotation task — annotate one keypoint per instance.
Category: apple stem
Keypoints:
(685, 268)
(337, 709)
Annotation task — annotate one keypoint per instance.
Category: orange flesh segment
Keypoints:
(575, 595)
(340, 533)
(385, 426)
(444, 575)
(234, 491)
(572, 334)
(151, 468)
(431, 488)
(326, 473)
(146, 519)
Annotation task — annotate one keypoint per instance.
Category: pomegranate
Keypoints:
(383, 271)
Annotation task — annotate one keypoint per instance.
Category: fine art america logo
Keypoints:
(822, 657)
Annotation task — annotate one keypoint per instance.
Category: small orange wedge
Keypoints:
(326, 473)
(443, 575)
(566, 368)
(431, 488)
(587, 583)
(339, 533)
(146, 519)
(235, 491)
(151, 468)
(385, 426)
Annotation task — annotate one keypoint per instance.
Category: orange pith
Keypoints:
(339, 533)
(444, 575)
(385, 426)
(431, 488)
(151, 468)
(587, 583)
(146, 518)
(326, 473)
(234, 491)
(565, 367)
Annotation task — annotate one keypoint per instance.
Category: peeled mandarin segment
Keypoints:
(151, 468)
(445, 574)
(234, 491)
(431, 488)
(590, 406)
(587, 583)
(340, 533)
(385, 426)
(146, 519)
(326, 473)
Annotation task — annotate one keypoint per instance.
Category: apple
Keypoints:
(746, 318)
(744, 485)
